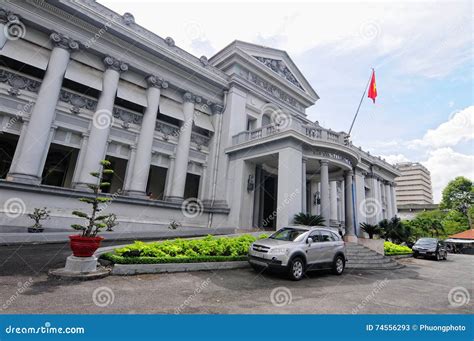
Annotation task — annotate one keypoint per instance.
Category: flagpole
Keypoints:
(360, 103)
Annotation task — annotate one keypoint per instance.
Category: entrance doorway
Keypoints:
(266, 191)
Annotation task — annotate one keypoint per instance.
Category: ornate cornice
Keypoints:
(78, 102)
(127, 117)
(157, 82)
(115, 64)
(18, 82)
(64, 42)
(189, 97)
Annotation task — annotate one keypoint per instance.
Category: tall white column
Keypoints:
(394, 200)
(101, 122)
(289, 185)
(210, 188)
(360, 200)
(349, 207)
(325, 204)
(374, 207)
(36, 140)
(388, 199)
(141, 166)
(130, 164)
(182, 150)
(333, 203)
(303, 186)
(169, 176)
(342, 202)
(381, 198)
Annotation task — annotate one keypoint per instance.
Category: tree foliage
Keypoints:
(458, 195)
(94, 221)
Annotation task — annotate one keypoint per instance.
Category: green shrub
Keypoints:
(207, 249)
(394, 249)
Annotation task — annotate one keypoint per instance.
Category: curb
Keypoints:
(135, 269)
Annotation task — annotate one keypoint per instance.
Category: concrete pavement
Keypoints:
(423, 286)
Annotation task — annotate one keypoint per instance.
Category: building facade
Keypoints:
(208, 142)
(413, 186)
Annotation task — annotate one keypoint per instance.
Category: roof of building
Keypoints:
(468, 234)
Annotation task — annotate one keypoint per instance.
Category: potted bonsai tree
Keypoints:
(38, 215)
(85, 244)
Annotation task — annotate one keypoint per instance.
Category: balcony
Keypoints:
(312, 131)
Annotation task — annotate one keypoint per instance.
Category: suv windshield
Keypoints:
(288, 234)
(426, 241)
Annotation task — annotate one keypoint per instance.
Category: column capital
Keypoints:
(8, 17)
(64, 42)
(115, 64)
(189, 97)
(217, 109)
(156, 81)
(324, 162)
(348, 172)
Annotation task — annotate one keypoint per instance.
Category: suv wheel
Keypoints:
(338, 266)
(296, 269)
(438, 256)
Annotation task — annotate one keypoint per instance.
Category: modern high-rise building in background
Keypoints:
(414, 185)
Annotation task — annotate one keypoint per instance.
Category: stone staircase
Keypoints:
(363, 258)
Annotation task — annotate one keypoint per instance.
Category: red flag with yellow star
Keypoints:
(372, 87)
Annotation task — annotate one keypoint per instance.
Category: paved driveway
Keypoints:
(423, 286)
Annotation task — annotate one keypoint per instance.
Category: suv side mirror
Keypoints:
(309, 241)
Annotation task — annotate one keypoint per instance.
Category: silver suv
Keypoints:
(296, 249)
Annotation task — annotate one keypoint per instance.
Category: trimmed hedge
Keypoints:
(392, 249)
(154, 260)
(208, 249)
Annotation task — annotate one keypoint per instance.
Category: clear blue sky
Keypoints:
(421, 51)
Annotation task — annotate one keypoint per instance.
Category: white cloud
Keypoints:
(398, 31)
(395, 158)
(459, 128)
(445, 164)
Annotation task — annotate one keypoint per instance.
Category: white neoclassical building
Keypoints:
(226, 135)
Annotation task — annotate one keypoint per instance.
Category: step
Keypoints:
(364, 266)
(369, 261)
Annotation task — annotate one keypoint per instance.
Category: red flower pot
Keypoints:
(84, 246)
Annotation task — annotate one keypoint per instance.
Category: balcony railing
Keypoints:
(314, 132)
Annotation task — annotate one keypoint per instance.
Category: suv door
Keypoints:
(314, 252)
(329, 243)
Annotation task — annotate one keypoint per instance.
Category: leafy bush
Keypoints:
(394, 249)
(208, 249)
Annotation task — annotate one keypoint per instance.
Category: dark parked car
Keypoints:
(430, 247)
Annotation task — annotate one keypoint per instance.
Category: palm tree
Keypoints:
(370, 229)
(394, 230)
(308, 219)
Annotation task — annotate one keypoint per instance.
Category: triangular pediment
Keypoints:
(279, 67)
